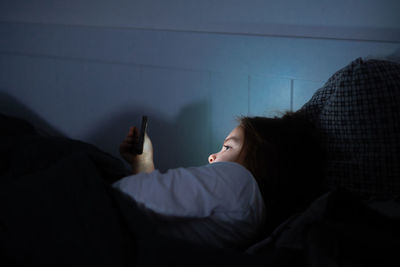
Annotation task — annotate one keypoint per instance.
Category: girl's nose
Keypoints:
(211, 158)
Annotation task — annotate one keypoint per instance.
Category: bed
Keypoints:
(57, 206)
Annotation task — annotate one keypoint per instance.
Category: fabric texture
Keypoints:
(218, 205)
(358, 112)
(337, 229)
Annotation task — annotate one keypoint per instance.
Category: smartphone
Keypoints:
(143, 129)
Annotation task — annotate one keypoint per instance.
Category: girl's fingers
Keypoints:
(126, 144)
(132, 136)
(133, 131)
(130, 139)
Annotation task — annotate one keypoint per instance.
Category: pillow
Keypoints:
(358, 112)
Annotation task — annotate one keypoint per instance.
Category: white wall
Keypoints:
(90, 69)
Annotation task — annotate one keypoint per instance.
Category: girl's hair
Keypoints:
(285, 157)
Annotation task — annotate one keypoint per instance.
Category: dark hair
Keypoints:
(285, 157)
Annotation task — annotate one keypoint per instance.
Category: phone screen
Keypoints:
(142, 134)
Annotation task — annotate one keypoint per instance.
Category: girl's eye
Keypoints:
(226, 147)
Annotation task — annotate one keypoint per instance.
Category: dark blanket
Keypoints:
(337, 229)
(56, 207)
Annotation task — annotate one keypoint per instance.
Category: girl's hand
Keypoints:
(140, 163)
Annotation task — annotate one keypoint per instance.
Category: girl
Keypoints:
(260, 177)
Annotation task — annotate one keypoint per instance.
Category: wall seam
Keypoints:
(248, 94)
(291, 93)
(274, 35)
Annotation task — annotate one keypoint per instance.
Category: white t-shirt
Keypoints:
(218, 205)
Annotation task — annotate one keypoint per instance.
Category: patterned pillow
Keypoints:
(358, 111)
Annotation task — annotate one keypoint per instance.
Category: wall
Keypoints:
(90, 69)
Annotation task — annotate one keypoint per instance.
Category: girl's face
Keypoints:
(231, 148)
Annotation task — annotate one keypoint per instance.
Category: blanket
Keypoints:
(56, 207)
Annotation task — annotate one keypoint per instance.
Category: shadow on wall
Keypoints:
(183, 142)
(13, 107)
